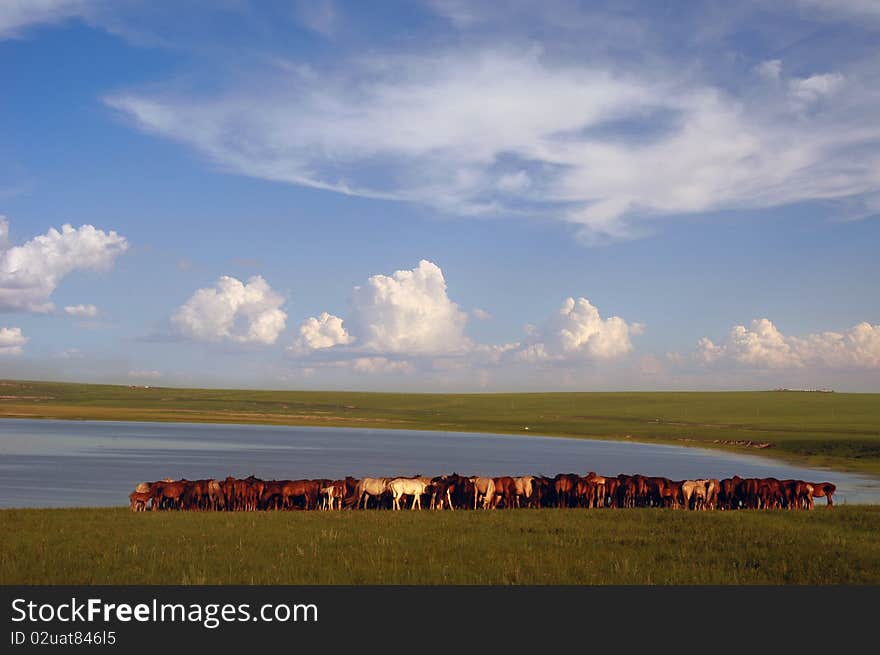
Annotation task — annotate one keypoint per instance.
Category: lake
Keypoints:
(47, 463)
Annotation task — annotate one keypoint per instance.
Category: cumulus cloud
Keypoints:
(30, 273)
(407, 312)
(233, 311)
(763, 345)
(81, 311)
(316, 333)
(12, 341)
(578, 331)
(406, 321)
(582, 142)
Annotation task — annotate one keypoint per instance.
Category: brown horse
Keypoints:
(824, 490)
(505, 491)
(139, 500)
(565, 485)
(167, 495)
(585, 492)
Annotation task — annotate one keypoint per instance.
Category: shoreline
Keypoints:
(832, 431)
(832, 464)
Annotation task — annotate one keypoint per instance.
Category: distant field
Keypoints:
(819, 429)
(649, 546)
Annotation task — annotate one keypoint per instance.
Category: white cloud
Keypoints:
(233, 311)
(495, 131)
(770, 69)
(811, 89)
(81, 311)
(578, 331)
(29, 273)
(147, 374)
(763, 346)
(707, 352)
(12, 341)
(325, 331)
(391, 320)
(407, 321)
(408, 312)
(18, 15)
(481, 314)
(380, 365)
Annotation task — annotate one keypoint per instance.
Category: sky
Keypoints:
(441, 195)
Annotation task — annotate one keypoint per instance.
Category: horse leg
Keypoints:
(449, 499)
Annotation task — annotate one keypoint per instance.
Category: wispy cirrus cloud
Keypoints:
(498, 132)
(17, 16)
(81, 311)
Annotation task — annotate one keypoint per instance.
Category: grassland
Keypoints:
(835, 430)
(651, 546)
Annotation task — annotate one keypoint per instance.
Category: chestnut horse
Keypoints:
(824, 490)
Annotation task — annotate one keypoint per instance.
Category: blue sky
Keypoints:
(441, 195)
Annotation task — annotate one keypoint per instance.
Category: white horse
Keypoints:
(414, 487)
(370, 487)
(484, 487)
(524, 488)
(696, 490)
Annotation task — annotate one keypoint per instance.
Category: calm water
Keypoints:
(97, 463)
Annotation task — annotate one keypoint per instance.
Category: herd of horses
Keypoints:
(472, 492)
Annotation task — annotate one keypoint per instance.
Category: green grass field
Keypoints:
(836, 430)
(649, 546)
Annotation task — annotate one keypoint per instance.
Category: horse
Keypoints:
(414, 487)
(333, 492)
(824, 489)
(694, 490)
(585, 492)
(626, 491)
(167, 495)
(713, 488)
(747, 490)
(249, 492)
(565, 485)
(524, 489)
(505, 490)
(139, 500)
(484, 487)
(367, 487)
(600, 481)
